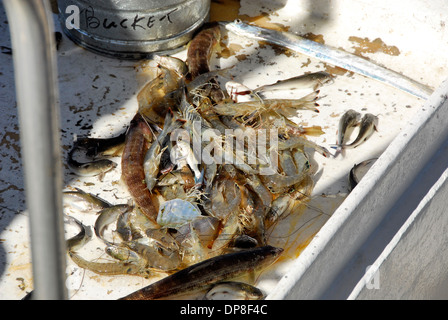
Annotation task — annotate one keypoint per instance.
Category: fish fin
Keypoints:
(101, 176)
(250, 277)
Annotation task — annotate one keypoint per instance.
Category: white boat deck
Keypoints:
(98, 99)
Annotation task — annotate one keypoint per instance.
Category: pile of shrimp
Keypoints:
(187, 207)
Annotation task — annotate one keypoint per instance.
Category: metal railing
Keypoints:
(32, 36)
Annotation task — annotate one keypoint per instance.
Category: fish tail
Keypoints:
(339, 149)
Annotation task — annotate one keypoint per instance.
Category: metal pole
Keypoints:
(32, 37)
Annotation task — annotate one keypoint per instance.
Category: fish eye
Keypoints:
(238, 21)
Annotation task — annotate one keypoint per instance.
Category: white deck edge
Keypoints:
(398, 271)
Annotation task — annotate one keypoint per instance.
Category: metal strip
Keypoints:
(32, 37)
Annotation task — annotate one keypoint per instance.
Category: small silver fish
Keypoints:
(358, 171)
(79, 240)
(124, 229)
(330, 55)
(152, 158)
(83, 201)
(348, 121)
(237, 91)
(107, 216)
(90, 168)
(101, 147)
(232, 290)
(368, 126)
(312, 81)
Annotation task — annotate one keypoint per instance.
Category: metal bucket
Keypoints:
(132, 29)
